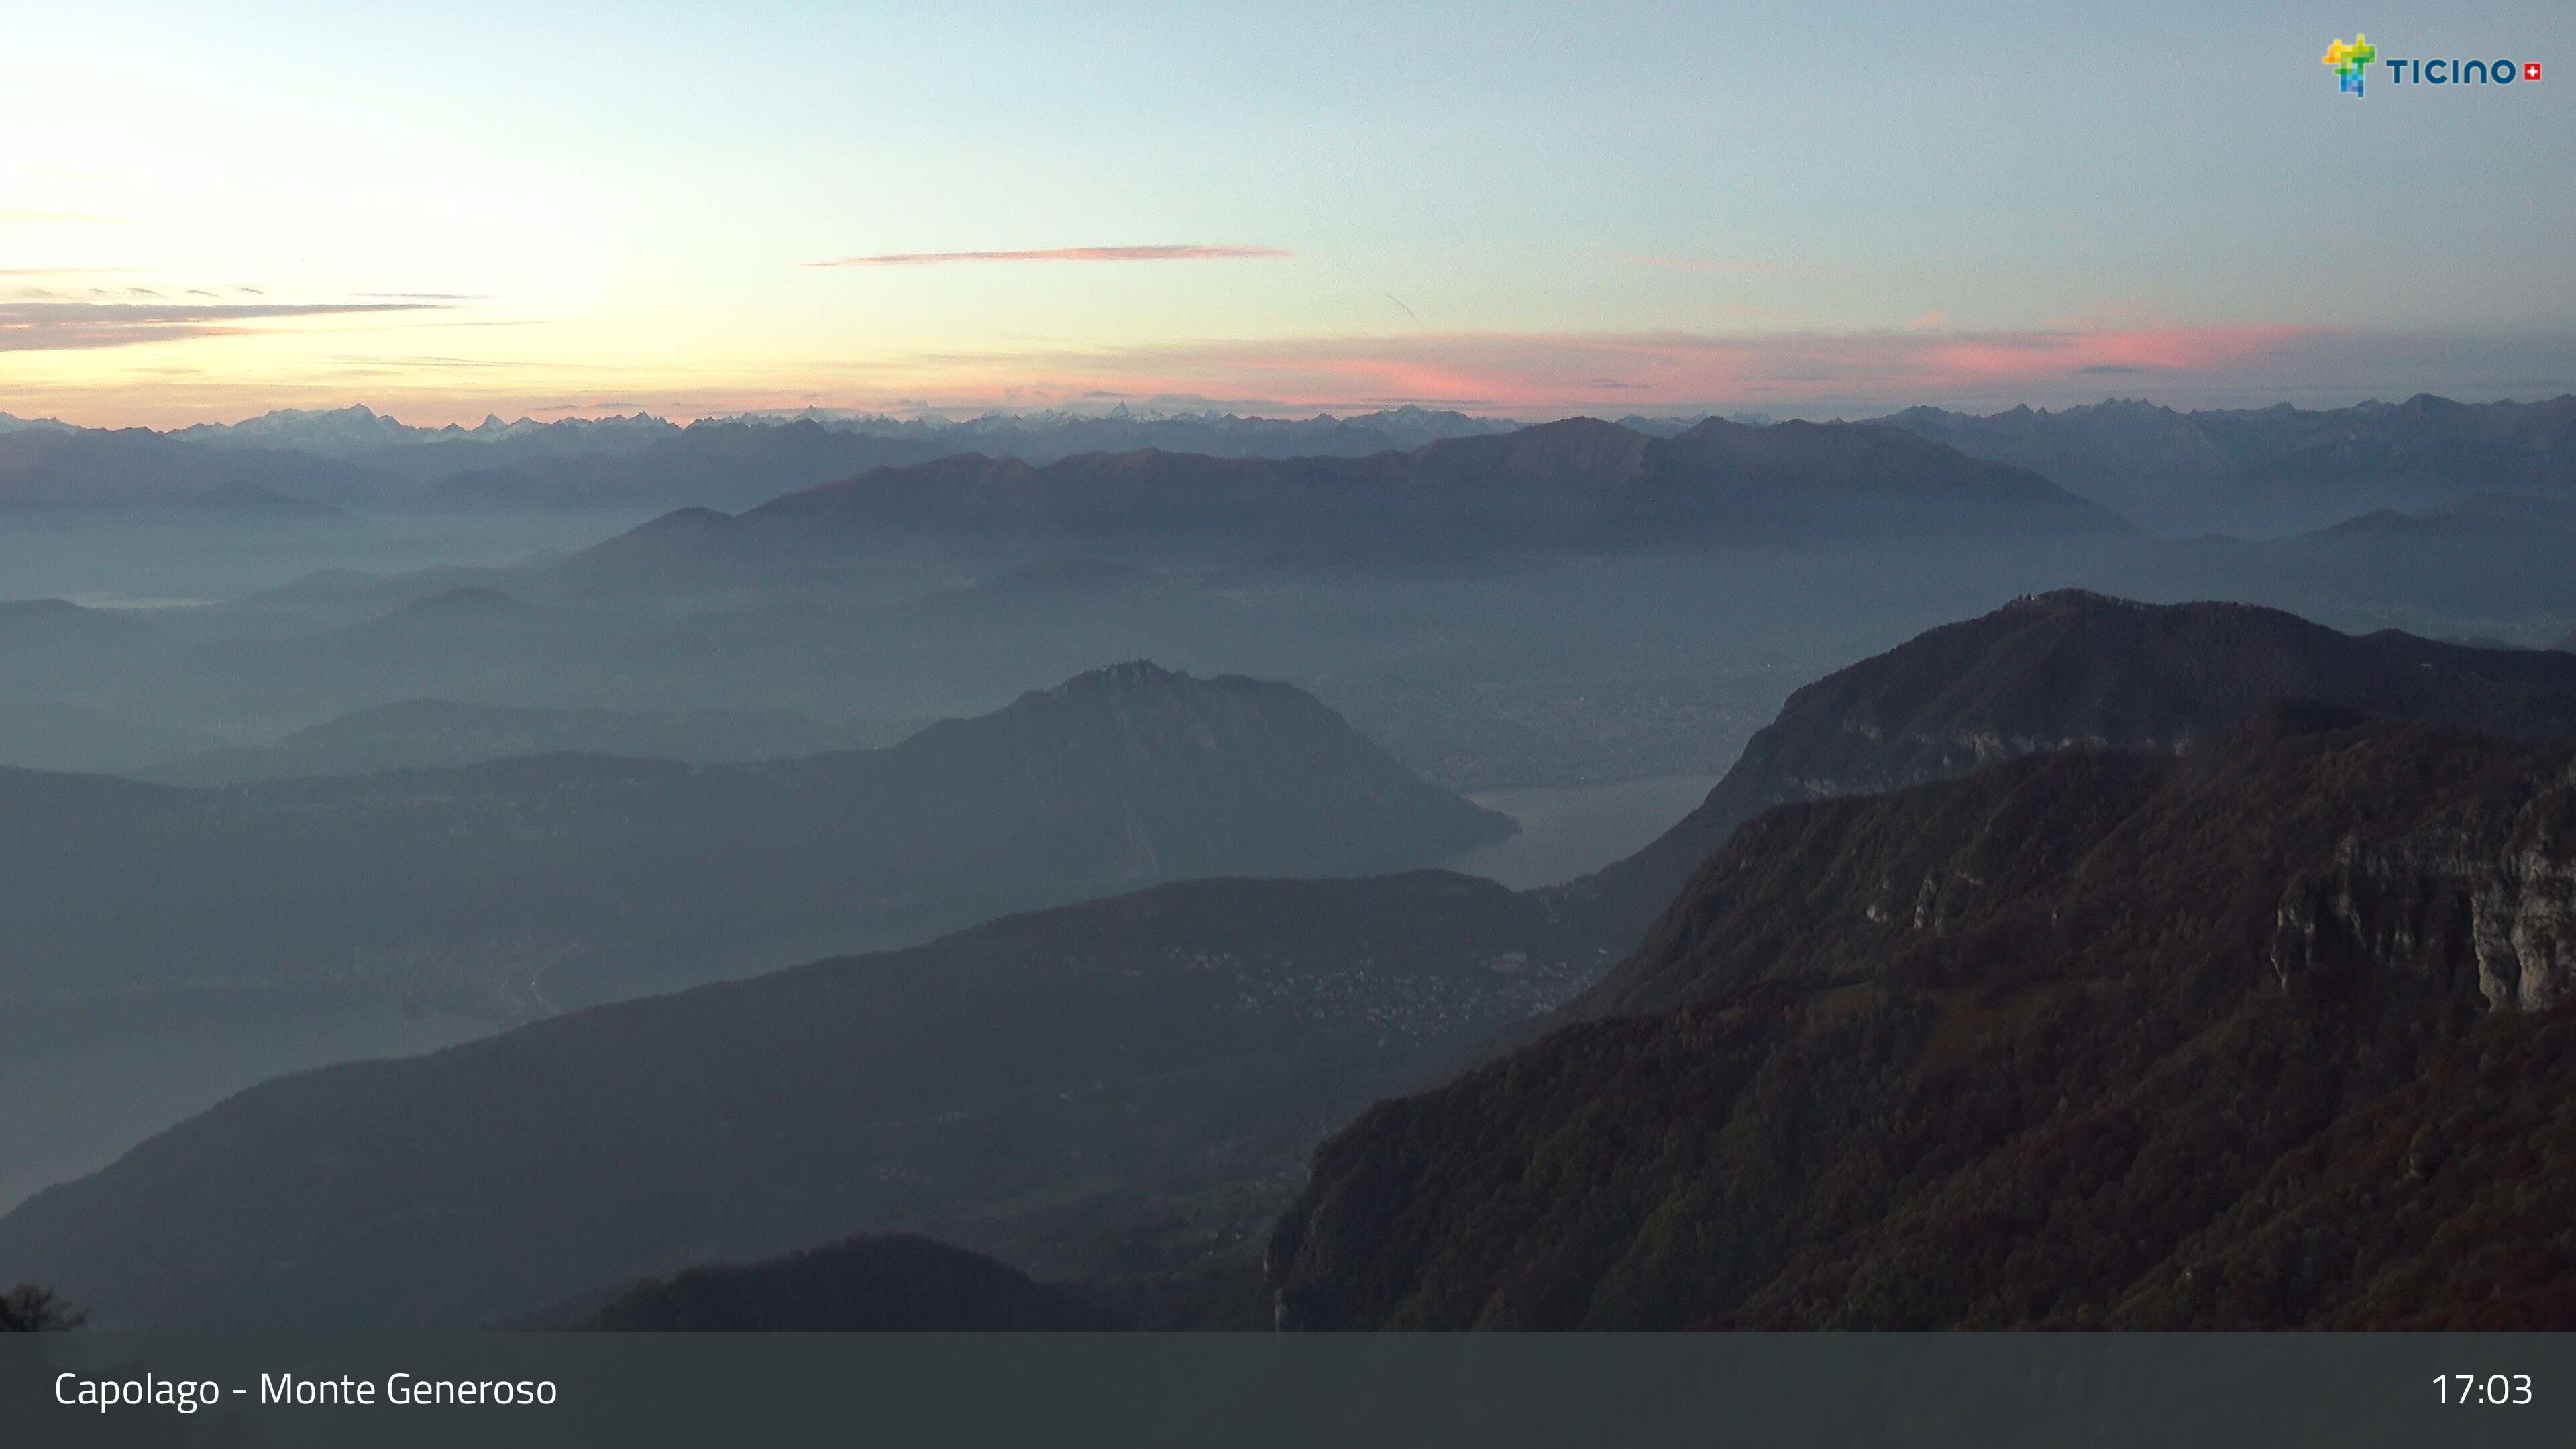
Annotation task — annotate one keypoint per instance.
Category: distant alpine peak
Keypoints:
(354, 412)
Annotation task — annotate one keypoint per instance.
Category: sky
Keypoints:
(209, 210)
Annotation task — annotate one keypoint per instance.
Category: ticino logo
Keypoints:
(2351, 61)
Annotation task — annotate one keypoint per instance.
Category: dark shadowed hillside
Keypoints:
(1122, 1088)
(2427, 446)
(1567, 487)
(1559, 485)
(45, 735)
(514, 887)
(85, 470)
(894, 1283)
(735, 464)
(434, 733)
(273, 462)
(2065, 669)
(2271, 466)
(2104, 450)
(240, 499)
(2275, 1034)
(61, 625)
(712, 464)
(2487, 561)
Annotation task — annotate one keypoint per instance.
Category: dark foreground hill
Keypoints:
(1120, 1089)
(2275, 1034)
(894, 1283)
(2067, 669)
(525, 885)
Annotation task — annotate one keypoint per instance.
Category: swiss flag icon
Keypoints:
(2531, 70)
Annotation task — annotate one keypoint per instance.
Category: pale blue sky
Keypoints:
(1599, 210)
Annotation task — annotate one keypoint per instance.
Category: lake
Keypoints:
(1573, 830)
(84, 1082)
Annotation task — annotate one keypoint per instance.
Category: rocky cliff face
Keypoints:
(2274, 1033)
(2070, 670)
(2494, 892)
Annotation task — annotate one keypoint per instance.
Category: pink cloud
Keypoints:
(1527, 375)
(1508, 372)
(47, 326)
(1185, 252)
(28, 216)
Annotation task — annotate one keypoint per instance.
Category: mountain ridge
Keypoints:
(1165, 1058)
(2093, 1038)
(2281, 463)
(895, 1282)
(1573, 486)
(499, 887)
(431, 733)
(2066, 668)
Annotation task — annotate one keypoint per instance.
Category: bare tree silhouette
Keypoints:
(30, 1309)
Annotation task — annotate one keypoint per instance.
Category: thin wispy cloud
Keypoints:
(1179, 252)
(410, 325)
(65, 326)
(37, 216)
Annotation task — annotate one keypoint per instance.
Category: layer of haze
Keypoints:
(204, 214)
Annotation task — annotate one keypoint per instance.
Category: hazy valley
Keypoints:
(513, 739)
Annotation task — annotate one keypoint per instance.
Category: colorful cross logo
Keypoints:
(2351, 62)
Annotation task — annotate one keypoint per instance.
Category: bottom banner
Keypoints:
(1306, 1390)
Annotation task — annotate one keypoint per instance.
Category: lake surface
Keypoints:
(81, 1084)
(1573, 830)
(93, 1080)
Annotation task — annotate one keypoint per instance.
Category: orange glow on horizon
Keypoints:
(1510, 374)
